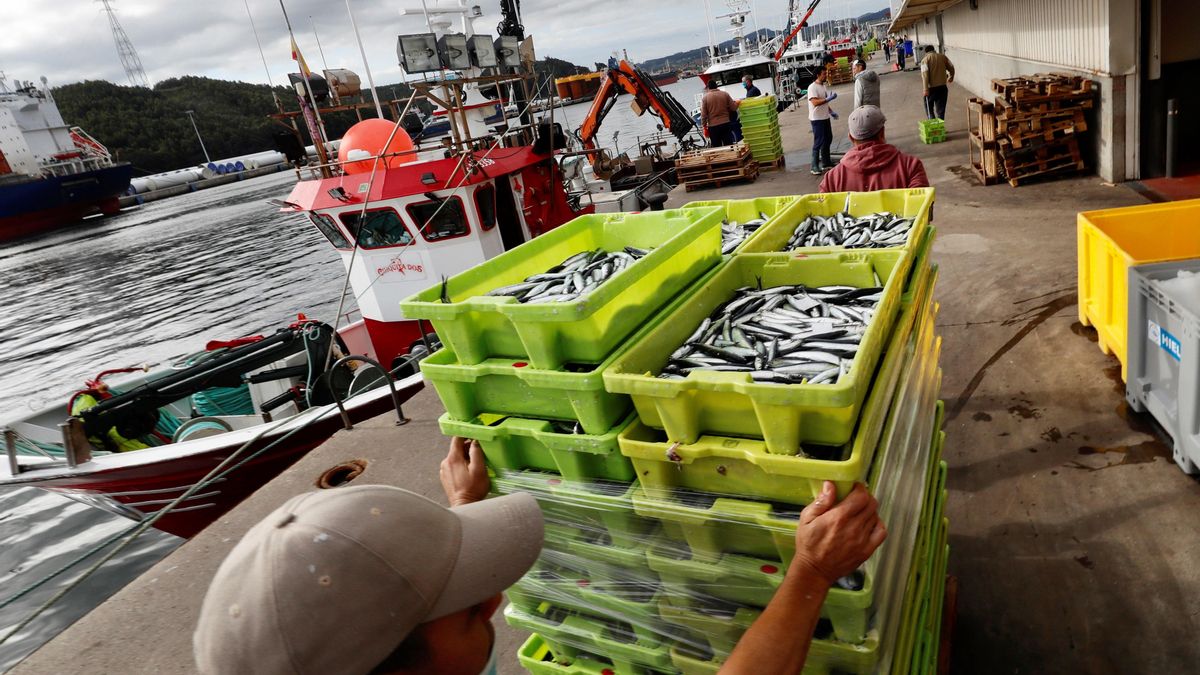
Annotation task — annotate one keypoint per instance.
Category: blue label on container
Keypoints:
(1167, 342)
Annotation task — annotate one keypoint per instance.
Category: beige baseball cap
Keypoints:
(333, 581)
(866, 121)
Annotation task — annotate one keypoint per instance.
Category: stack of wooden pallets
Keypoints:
(839, 73)
(1032, 130)
(714, 167)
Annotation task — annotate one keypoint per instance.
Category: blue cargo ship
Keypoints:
(50, 174)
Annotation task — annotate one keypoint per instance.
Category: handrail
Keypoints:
(401, 420)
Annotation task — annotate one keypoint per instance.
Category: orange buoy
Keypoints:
(365, 140)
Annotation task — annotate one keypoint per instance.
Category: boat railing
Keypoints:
(75, 444)
(401, 420)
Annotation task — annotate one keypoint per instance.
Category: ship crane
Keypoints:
(647, 96)
(803, 23)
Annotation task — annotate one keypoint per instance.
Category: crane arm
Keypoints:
(812, 6)
(647, 96)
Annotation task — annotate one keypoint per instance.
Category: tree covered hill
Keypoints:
(149, 128)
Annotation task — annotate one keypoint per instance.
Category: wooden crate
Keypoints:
(987, 167)
(718, 179)
(981, 119)
(713, 167)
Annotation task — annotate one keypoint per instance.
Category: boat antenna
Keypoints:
(318, 143)
(261, 55)
(324, 63)
(366, 65)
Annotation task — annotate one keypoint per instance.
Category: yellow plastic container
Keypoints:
(1112, 240)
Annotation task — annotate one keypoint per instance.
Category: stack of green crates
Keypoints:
(671, 505)
(932, 131)
(759, 118)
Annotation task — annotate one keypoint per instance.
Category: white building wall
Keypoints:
(1059, 33)
(1096, 38)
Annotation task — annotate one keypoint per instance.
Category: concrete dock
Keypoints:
(1072, 533)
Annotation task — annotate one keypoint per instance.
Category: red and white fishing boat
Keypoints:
(402, 219)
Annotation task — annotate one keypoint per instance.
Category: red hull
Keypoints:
(37, 222)
(147, 488)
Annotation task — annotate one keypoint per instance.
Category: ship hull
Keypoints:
(666, 78)
(37, 205)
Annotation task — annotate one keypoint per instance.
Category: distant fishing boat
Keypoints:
(51, 174)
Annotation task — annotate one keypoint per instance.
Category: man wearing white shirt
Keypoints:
(819, 116)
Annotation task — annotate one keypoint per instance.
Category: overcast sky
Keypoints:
(70, 40)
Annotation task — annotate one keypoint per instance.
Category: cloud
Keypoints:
(70, 40)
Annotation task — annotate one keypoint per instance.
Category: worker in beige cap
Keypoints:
(873, 164)
(371, 579)
(381, 581)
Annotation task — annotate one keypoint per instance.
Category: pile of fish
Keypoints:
(733, 233)
(781, 334)
(576, 276)
(878, 230)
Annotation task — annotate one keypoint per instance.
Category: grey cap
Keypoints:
(334, 581)
(866, 121)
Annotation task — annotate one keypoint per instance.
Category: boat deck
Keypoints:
(1071, 530)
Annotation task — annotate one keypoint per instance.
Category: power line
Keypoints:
(129, 56)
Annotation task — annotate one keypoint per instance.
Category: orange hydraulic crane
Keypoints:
(812, 7)
(647, 96)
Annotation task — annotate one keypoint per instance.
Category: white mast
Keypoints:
(366, 65)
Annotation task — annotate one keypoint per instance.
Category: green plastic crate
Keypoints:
(931, 125)
(536, 657)
(766, 101)
(508, 387)
(921, 268)
(519, 443)
(721, 629)
(577, 633)
(914, 203)
(825, 657)
(477, 327)
(916, 590)
(731, 403)
(743, 210)
(598, 515)
(929, 140)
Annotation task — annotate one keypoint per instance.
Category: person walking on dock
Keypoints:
(936, 73)
(819, 115)
(717, 109)
(866, 85)
(887, 50)
(900, 53)
(872, 164)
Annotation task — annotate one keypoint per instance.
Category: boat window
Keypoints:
(485, 204)
(330, 229)
(759, 71)
(380, 228)
(440, 219)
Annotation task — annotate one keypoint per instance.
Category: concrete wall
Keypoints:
(1095, 38)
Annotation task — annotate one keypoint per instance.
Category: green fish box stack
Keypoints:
(668, 531)
(759, 118)
(932, 131)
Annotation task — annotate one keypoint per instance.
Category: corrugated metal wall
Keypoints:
(1068, 33)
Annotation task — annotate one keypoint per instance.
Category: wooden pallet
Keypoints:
(1067, 166)
(981, 119)
(776, 165)
(737, 154)
(987, 168)
(748, 173)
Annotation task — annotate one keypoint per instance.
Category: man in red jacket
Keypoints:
(873, 164)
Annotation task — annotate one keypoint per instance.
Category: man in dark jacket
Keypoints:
(751, 90)
(872, 164)
(716, 114)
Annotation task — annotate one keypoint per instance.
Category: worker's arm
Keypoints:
(918, 178)
(463, 474)
(925, 75)
(949, 69)
(832, 540)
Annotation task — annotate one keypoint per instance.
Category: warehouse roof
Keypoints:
(912, 11)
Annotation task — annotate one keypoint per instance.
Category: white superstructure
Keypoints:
(729, 69)
(35, 140)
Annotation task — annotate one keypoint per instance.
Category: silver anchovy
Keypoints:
(575, 277)
(780, 334)
(876, 230)
(734, 233)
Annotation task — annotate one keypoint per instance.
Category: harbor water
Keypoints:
(150, 286)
